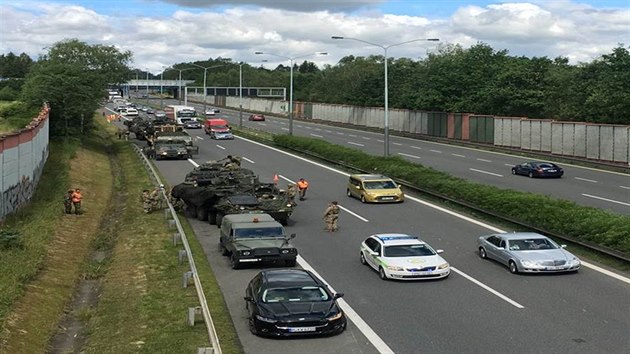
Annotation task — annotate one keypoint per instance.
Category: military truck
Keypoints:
(210, 192)
(171, 149)
(140, 127)
(252, 238)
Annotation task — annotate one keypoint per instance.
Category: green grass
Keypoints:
(15, 115)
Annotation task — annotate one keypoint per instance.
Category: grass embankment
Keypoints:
(142, 306)
(15, 115)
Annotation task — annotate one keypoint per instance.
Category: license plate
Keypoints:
(551, 170)
(555, 267)
(302, 329)
(388, 198)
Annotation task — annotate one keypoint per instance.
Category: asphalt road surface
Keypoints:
(480, 308)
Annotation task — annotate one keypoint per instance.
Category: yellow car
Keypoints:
(374, 189)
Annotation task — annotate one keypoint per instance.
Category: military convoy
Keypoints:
(218, 188)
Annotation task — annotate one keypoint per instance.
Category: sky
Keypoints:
(161, 33)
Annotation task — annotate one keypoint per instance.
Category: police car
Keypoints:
(404, 257)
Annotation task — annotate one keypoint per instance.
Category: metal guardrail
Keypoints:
(205, 311)
(601, 249)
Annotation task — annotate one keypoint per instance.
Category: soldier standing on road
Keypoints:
(76, 201)
(331, 215)
(302, 186)
(291, 193)
(67, 202)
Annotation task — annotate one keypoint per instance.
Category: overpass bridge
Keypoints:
(141, 87)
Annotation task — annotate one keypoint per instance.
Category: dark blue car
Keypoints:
(538, 169)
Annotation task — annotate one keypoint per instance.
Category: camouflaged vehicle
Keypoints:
(176, 149)
(207, 192)
(253, 238)
(140, 127)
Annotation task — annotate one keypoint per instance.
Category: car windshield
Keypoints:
(380, 185)
(532, 244)
(546, 165)
(254, 232)
(219, 127)
(185, 120)
(170, 146)
(408, 251)
(297, 294)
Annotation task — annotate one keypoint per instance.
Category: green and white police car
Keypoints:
(404, 257)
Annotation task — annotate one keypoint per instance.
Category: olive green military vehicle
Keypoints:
(275, 204)
(171, 149)
(254, 238)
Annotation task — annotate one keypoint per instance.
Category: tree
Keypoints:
(72, 78)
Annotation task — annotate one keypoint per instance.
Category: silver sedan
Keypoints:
(527, 252)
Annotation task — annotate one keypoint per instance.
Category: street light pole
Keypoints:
(240, 95)
(385, 48)
(147, 86)
(179, 84)
(161, 89)
(205, 71)
(291, 61)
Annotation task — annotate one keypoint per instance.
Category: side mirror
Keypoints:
(337, 296)
(357, 187)
(439, 251)
(373, 253)
(292, 236)
(248, 299)
(563, 246)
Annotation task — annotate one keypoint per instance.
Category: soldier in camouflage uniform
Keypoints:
(146, 201)
(156, 199)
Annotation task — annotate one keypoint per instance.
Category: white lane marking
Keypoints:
(507, 164)
(367, 331)
(507, 299)
(408, 155)
(193, 162)
(420, 201)
(437, 151)
(318, 129)
(352, 135)
(624, 187)
(307, 127)
(415, 147)
(366, 138)
(585, 180)
(283, 123)
(486, 172)
(246, 159)
(380, 141)
(328, 131)
(283, 128)
(263, 124)
(286, 179)
(484, 160)
(340, 133)
(357, 144)
(316, 135)
(458, 155)
(605, 199)
(607, 272)
(354, 214)
(397, 144)
(220, 147)
(199, 138)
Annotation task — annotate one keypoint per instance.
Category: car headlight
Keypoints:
(289, 205)
(246, 253)
(335, 316)
(265, 319)
(164, 153)
(574, 262)
(286, 251)
(396, 268)
(529, 264)
(443, 266)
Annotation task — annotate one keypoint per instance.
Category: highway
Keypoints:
(582, 185)
(480, 308)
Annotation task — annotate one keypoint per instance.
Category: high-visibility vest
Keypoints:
(76, 197)
(302, 184)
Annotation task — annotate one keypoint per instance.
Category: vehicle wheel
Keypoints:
(212, 218)
(530, 174)
(482, 253)
(381, 273)
(362, 259)
(283, 220)
(348, 193)
(223, 250)
(202, 213)
(252, 327)
(219, 219)
(363, 199)
(190, 211)
(513, 171)
(234, 262)
(290, 262)
(513, 267)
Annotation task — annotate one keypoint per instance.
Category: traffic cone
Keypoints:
(275, 179)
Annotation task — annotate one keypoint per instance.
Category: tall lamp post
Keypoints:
(205, 71)
(291, 61)
(179, 82)
(385, 48)
(161, 89)
(240, 94)
(147, 86)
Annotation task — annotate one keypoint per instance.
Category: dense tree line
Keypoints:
(477, 80)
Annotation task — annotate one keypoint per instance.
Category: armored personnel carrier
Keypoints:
(215, 189)
(140, 127)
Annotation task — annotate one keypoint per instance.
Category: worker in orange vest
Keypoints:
(76, 201)
(302, 186)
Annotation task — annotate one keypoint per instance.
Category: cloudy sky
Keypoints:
(164, 32)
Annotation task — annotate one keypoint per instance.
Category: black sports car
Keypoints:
(538, 169)
(292, 302)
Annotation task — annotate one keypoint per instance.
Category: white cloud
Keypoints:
(555, 28)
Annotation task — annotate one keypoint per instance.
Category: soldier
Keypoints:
(76, 201)
(67, 201)
(291, 192)
(146, 201)
(233, 163)
(330, 216)
(156, 199)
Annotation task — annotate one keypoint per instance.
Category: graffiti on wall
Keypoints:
(17, 195)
